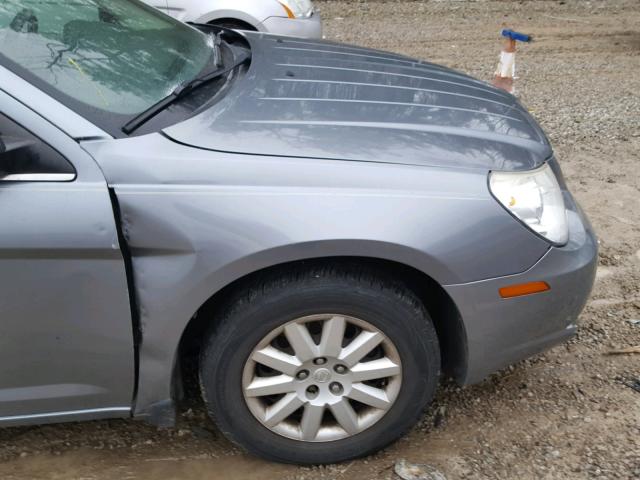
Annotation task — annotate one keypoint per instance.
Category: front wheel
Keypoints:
(320, 366)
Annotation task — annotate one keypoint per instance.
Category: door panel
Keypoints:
(66, 342)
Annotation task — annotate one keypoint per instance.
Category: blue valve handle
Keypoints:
(520, 37)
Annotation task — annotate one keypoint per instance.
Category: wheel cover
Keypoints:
(322, 378)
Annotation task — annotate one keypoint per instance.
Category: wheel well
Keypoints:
(233, 23)
(444, 314)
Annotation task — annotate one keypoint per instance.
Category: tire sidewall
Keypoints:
(224, 358)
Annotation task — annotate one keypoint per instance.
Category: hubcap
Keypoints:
(322, 378)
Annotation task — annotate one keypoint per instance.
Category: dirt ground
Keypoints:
(564, 414)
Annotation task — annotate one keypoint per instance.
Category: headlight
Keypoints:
(297, 8)
(535, 198)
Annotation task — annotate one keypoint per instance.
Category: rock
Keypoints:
(410, 471)
(440, 416)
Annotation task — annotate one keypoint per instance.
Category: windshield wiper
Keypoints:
(182, 90)
(217, 50)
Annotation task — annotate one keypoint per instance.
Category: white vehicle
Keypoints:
(297, 18)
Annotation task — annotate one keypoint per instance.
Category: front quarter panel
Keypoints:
(249, 11)
(196, 220)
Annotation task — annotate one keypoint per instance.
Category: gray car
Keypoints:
(315, 232)
(297, 18)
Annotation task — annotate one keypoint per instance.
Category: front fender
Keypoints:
(249, 11)
(243, 16)
(196, 220)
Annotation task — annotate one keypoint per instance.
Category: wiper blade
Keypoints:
(217, 51)
(179, 92)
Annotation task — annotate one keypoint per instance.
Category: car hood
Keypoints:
(318, 99)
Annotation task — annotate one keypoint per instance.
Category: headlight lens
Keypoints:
(535, 198)
(297, 8)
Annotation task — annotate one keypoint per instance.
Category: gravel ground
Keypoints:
(563, 414)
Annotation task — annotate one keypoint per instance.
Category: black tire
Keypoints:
(276, 299)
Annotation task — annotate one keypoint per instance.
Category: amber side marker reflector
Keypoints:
(524, 289)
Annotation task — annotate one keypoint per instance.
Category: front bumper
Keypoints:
(300, 27)
(503, 331)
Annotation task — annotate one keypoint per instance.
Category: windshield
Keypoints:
(101, 56)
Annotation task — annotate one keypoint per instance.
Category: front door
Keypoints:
(66, 343)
